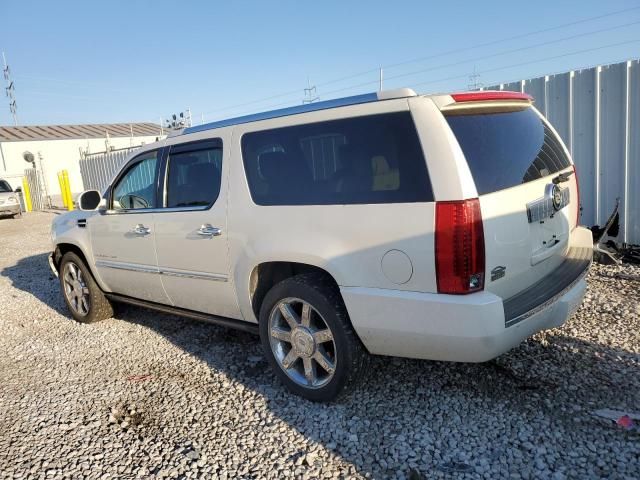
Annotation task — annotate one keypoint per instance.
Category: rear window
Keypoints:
(372, 159)
(507, 149)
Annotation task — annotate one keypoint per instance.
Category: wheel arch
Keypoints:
(266, 274)
(65, 247)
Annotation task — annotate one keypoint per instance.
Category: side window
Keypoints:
(194, 176)
(371, 159)
(136, 189)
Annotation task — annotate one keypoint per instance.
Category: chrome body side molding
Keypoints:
(134, 267)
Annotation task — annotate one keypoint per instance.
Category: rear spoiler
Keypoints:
(473, 102)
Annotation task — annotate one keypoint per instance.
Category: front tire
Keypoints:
(81, 293)
(308, 339)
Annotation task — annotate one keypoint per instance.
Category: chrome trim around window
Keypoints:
(172, 272)
(156, 210)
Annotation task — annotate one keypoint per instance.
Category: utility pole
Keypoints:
(310, 93)
(10, 90)
(381, 76)
(474, 80)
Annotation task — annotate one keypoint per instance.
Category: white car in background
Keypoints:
(438, 227)
(9, 201)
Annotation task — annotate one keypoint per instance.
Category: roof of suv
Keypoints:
(309, 107)
(442, 101)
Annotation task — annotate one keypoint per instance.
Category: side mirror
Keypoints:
(89, 200)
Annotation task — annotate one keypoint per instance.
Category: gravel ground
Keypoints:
(147, 395)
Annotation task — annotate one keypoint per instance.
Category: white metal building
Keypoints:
(58, 147)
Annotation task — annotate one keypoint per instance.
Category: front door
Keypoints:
(191, 230)
(123, 237)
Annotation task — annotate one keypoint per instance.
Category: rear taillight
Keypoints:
(575, 176)
(459, 245)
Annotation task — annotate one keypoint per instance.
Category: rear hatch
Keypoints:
(527, 189)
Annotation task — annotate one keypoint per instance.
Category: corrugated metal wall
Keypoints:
(597, 113)
(98, 169)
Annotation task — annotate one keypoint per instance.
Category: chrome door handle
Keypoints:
(140, 229)
(207, 230)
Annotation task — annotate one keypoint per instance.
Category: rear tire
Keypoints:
(308, 339)
(81, 293)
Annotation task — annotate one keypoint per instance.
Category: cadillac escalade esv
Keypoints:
(440, 227)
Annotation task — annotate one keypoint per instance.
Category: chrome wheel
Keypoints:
(75, 289)
(302, 343)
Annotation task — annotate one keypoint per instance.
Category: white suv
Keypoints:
(437, 227)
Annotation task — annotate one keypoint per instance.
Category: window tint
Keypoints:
(5, 187)
(194, 178)
(137, 187)
(373, 159)
(507, 149)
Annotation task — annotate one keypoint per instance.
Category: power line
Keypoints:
(513, 50)
(465, 76)
(531, 62)
(83, 83)
(459, 50)
(515, 37)
(372, 82)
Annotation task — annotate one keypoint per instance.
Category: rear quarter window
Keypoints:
(507, 149)
(371, 159)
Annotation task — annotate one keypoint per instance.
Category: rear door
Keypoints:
(191, 228)
(527, 190)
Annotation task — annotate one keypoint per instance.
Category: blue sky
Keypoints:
(117, 61)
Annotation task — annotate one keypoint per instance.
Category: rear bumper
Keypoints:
(469, 328)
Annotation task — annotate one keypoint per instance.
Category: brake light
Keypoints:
(575, 176)
(459, 246)
(488, 95)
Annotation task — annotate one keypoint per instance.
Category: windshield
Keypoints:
(507, 149)
(5, 187)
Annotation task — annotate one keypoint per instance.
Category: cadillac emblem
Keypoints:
(556, 197)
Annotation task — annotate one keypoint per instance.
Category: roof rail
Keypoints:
(308, 107)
